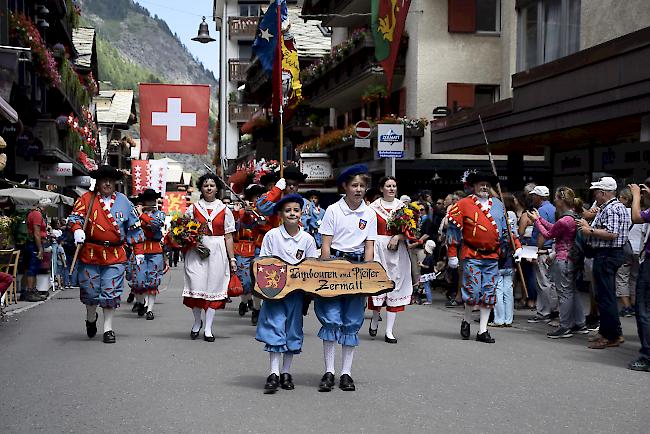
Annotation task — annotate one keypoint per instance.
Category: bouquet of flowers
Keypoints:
(405, 221)
(185, 234)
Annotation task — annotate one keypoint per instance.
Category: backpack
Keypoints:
(580, 249)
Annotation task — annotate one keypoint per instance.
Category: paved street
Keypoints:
(155, 379)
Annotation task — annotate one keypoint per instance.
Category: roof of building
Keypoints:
(310, 40)
(119, 110)
(83, 39)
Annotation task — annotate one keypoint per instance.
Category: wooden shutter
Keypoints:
(460, 95)
(462, 16)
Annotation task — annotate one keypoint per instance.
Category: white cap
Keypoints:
(606, 183)
(541, 190)
(429, 246)
(405, 198)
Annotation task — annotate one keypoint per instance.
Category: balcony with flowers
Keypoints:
(344, 73)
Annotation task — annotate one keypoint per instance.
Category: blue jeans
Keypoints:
(642, 308)
(504, 308)
(427, 290)
(606, 263)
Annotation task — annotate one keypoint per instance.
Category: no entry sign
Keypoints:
(363, 129)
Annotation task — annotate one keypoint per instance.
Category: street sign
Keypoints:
(362, 143)
(390, 140)
(363, 129)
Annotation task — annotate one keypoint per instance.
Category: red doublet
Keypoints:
(104, 245)
(248, 237)
(479, 230)
(150, 246)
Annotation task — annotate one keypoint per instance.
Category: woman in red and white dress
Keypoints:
(206, 280)
(391, 252)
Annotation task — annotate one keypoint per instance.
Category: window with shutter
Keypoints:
(462, 16)
(460, 96)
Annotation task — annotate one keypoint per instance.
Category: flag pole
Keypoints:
(279, 89)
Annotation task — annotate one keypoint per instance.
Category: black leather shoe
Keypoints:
(195, 334)
(141, 309)
(242, 309)
(109, 337)
(286, 382)
(389, 340)
(372, 332)
(485, 337)
(91, 327)
(208, 338)
(135, 307)
(272, 383)
(326, 383)
(346, 383)
(130, 298)
(464, 330)
(150, 315)
(254, 315)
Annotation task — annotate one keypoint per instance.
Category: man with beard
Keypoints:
(478, 223)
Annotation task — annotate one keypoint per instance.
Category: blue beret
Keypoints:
(290, 198)
(350, 172)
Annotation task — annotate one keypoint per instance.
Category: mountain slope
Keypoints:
(135, 47)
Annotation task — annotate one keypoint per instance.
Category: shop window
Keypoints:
(474, 16)
(548, 30)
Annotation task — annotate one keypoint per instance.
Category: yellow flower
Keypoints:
(177, 230)
(408, 212)
(413, 225)
(192, 226)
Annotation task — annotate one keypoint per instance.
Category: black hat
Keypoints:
(148, 194)
(292, 172)
(289, 198)
(475, 177)
(311, 193)
(268, 178)
(350, 172)
(253, 190)
(106, 171)
(134, 199)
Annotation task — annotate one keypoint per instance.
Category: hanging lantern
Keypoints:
(203, 35)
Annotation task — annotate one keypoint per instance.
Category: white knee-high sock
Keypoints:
(286, 363)
(257, 303)
(151, 300)
(197, 319)
(108, 318)
(346, 356)
(374, 322)
(390, 322)
(275, 363)
(91, 312)
(209, 317)
(485, 315)
(329, 353)
(468, 313)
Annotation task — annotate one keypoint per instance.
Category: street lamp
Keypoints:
(203, 35)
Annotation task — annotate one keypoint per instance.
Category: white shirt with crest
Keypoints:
(278, 242)
(348, 228)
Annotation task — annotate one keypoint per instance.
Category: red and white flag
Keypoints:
(174, 118)
(149, 174)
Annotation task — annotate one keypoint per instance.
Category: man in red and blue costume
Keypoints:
(146, 277)
(112, 222)
(477, 224)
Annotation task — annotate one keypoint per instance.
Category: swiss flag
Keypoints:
(174, 118)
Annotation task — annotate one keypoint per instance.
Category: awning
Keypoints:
(25, 198)
(7, 111)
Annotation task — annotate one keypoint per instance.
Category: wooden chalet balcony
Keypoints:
(241, 112)
(237, 69)
(242, 28)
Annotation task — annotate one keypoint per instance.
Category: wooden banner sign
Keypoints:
(275, 279)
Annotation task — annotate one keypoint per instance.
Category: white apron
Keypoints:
(396, 262)
(208, 278)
